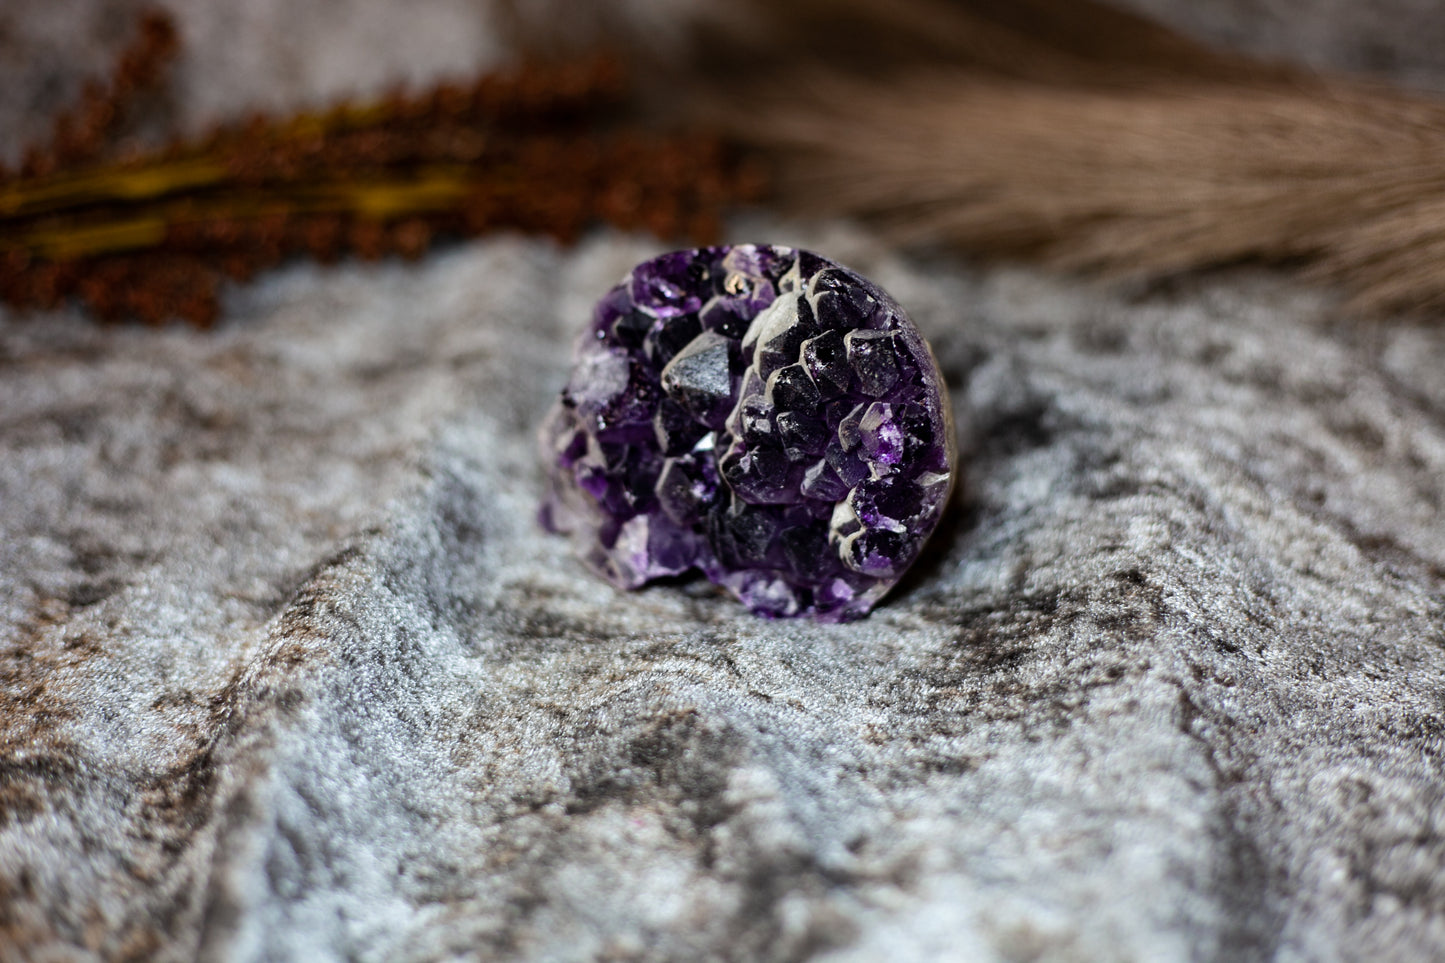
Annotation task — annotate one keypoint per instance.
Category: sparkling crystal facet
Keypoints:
(761, 414)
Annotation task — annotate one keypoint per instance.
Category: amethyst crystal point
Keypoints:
(758, 413)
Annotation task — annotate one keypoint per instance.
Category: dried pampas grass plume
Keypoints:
(1072, 132)
(1134, 183)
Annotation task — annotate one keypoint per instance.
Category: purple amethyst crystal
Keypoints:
(761, 414)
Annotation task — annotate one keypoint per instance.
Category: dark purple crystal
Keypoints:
(761, 414)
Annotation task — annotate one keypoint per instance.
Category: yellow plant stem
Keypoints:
(422, 192)
(109, 185)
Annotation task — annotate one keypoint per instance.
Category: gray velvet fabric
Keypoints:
(287, 671)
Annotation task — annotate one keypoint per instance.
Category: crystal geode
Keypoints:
(761, 414)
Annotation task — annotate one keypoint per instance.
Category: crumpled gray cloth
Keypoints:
(287, 670)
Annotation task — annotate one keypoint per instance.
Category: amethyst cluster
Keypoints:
(760, 413)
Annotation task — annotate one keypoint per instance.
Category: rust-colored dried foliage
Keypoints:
(546, 149)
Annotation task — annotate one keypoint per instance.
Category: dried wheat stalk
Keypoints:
(1078, 134)
(1140, 182)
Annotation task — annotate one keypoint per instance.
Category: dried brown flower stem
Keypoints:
(544, 148)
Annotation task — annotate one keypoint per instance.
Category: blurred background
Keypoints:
(1133, 139)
